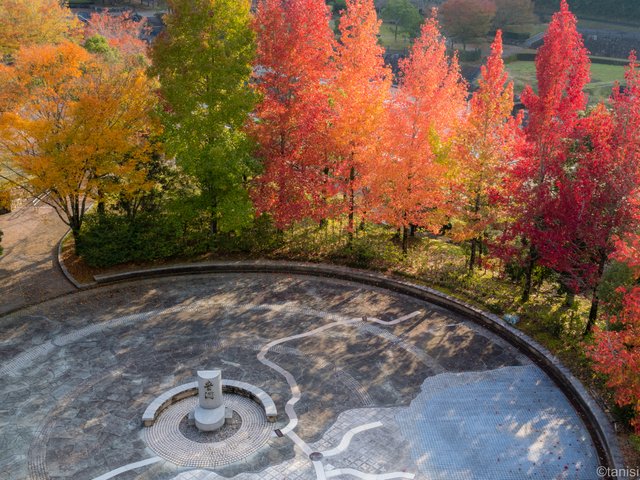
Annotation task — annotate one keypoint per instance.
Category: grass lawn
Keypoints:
(530, 28)
(604, 25)
(602, 78)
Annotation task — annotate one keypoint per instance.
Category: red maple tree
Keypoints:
(562, 71)
(593, 205)
(295, 45)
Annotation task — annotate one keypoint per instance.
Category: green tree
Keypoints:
(204, 61)
(402, 13)
(466, 20)
(513, 12)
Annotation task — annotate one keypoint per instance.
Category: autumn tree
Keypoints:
(562, 71)
(616, 350)
(484, 146)
(594, 203)
(35, 22)
(360, 90)
(71, 124)
(203, 60)
(408, 180)
(121, 31)
(466, 20)
(294, 49)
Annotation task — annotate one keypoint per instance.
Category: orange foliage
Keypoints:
(483, 147)
(295, 45)
(73, 126)
(408, 181)
(361, 88)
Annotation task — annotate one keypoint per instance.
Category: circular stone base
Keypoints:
(191, 432)
(167, 439)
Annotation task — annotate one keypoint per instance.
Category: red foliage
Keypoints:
(562, 70)
(616, 352)
(295, 44)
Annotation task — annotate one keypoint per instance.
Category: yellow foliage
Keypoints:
(35, 22)
(73, 125)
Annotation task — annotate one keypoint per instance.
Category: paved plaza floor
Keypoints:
(368, 384)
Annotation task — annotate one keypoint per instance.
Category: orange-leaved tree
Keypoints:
(360, 89)
(72, 125)
(483, 147)
(35, 22)
(408, 182)
(293, 69)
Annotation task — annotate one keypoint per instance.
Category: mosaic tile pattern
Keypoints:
(383, 385)
(165, 438)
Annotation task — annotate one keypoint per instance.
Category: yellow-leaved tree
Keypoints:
(35, 22)
(74, 127)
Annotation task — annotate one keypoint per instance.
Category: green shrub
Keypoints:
(470, 55)
(111, 239)
(616, 275)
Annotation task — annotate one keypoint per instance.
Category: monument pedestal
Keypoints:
(209, 420)
(210, 413)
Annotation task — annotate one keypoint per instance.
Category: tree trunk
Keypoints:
(472, 256)
(593, 312)
(412, 229)
(395, 38)
(214, 216)
(405, 240)
(352, 203)
(475, 242)
(531, 263)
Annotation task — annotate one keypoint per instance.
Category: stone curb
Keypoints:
(62, 266)
(594, 417)
(180, 392)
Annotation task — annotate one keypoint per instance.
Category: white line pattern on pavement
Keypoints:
(295, 393)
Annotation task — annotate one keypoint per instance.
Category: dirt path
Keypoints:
(29, 272)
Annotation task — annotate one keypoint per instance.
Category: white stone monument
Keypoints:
(210, 413)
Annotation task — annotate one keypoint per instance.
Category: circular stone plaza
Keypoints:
(365, 382)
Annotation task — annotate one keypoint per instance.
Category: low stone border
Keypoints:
(595, 419)
(63, 267)
(191, 389)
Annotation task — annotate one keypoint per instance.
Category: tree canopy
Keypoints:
(203, 60)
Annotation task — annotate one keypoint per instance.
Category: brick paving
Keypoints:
(28, 269)
(378, 398)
